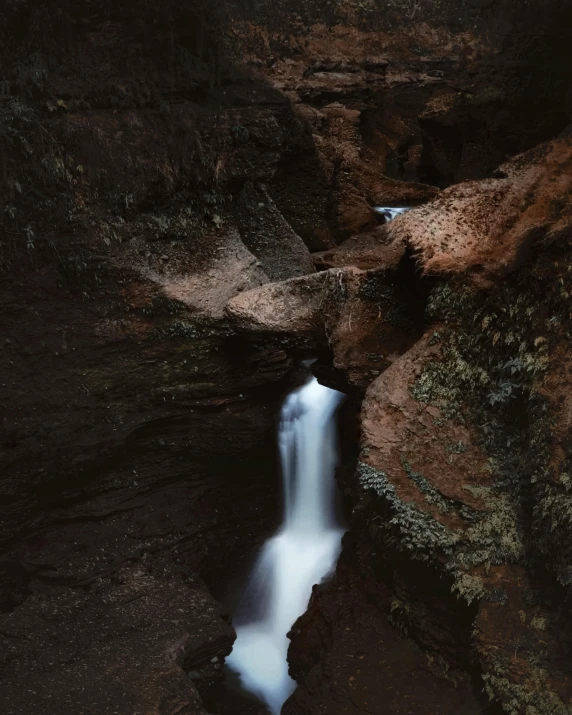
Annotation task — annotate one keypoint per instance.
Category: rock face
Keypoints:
(137, 428)
(459, 534)
(266, 233)
(354, 660)
(158, 216)
(122, 622)
(489, 228)
(360, 317)
(208, 288)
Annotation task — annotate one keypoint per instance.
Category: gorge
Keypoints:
(195, 201)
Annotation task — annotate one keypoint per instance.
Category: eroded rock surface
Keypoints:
(128, 642)
(143, 189)
(349, 657)
(137, 427)
(461, 486)
(460, 532)
(360, 316)
(370, 250)
(488, 228)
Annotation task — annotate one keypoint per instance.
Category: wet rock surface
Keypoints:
(350, 658)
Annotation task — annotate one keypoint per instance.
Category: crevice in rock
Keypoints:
(413, 288)
(441, 154)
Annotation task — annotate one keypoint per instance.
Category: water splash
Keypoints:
(301, 554)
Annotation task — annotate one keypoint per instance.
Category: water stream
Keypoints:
(300, 555)
(391, 212)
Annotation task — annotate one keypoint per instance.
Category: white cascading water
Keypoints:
(391, 212)
(301, 554)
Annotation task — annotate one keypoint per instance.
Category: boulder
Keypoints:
(489, 228)
(361, 317)
(371, 250)
(292, 308)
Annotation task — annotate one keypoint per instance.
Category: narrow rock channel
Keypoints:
(301, 554)
(197, 196)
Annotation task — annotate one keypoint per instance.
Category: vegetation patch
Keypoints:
(534, 696)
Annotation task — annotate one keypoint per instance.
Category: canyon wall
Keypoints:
(459, 535)
(161, 161)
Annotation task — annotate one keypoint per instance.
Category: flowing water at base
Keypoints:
(301, 554)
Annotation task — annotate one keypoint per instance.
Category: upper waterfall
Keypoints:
(391, 212)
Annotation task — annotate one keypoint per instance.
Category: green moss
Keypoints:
(553, 513)
(456, 447)
(409, 528)
(446, 384)
(533, 697)
(468, 586)
(495, 349)
(422, 537)
(494, 536)
(432, 495)
(498, 596)
(497, 537)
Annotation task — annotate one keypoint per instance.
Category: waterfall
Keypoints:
(391, 212)
(301, 554)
